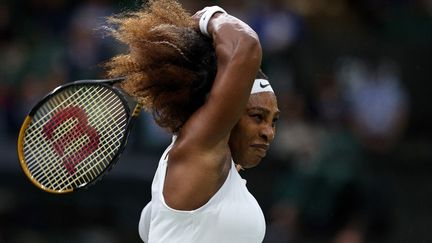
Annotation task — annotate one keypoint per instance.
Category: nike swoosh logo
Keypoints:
(263, 85)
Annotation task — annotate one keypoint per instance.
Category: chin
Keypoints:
(251, 163)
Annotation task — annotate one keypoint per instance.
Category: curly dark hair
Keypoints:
(170, 66)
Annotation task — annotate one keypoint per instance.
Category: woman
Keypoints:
(195, 74)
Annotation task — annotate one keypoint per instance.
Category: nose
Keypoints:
(267, 132)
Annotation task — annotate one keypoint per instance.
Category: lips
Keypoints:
(261, 148)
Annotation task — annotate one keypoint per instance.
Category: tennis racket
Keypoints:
(75, 134)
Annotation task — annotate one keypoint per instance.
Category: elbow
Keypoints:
(249, 51)
(252, 47)
(242, 47)
(233, 38)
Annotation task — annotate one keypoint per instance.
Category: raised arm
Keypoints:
(238, 54)
(199, 160)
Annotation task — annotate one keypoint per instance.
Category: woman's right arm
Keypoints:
(238, 54)
(198, 161)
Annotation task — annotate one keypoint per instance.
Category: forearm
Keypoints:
(238, 52)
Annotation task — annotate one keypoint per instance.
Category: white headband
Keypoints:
(261, 85)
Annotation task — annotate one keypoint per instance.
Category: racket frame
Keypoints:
(132, 108)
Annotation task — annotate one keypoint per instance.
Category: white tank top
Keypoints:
(232, 215)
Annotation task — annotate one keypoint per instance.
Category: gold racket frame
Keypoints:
(23, 163)
(136, 109)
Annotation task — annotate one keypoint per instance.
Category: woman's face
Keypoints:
(251, 137)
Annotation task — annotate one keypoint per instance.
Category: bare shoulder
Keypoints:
(194, 175)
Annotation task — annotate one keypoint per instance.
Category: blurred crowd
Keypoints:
(348, 75)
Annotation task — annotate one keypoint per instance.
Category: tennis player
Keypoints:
(200, 77)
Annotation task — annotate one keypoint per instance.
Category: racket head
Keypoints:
(74, 135)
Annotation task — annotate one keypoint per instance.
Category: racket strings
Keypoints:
(42, 155)
(84, 176)
(34, 130)
(89, 171)
(59, 171)
(32, 134)
(106, 115)
(48, 162)
(58, 101)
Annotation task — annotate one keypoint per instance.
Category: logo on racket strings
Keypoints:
(61, 143)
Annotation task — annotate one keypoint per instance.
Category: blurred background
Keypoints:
(352, 159)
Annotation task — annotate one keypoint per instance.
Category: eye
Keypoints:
(257, 117)
(275, 120)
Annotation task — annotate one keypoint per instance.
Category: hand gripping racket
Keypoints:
(76, 134)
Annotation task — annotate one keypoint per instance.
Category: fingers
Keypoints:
(196, 18)
(199, 13)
